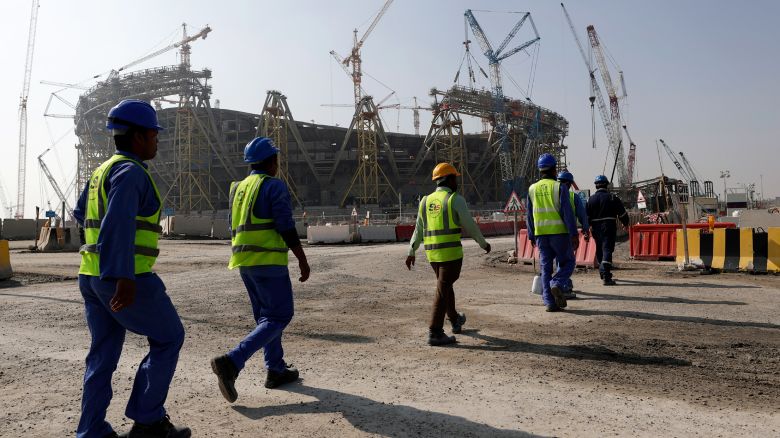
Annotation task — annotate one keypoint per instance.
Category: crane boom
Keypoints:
(676, 162)
(21, 180)
(53, 182)
(374, 23)
(688, 167)
(631, 156)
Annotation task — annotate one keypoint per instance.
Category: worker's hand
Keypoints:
(533, 243)
(575, 242)
(305, 270)
(409, 262)
(124, 295)
(487, 249)
(586, 235)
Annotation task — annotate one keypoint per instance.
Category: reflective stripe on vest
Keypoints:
(546, 198)
(441, 236)
(147, 228)
(255, 241)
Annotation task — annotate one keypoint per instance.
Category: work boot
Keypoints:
(569, 294)
(609, 282)
(552, 308)
(226, 373)
(557, 293)
(437, 339)
(457, 325)
(275, 379)
(160, 429)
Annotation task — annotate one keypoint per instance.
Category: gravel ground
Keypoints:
(660, 354)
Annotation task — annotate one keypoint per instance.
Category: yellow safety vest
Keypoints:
(147, 228)
(255, 241)
(441, 237)
(545, 195)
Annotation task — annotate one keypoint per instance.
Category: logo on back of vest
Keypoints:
(434, 208)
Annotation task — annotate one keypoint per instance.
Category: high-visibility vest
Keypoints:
(254, 241)
(147, 228)
(573, 207)
(441, 238)
(545, 195)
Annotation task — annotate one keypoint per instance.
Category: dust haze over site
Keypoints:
(699, 74)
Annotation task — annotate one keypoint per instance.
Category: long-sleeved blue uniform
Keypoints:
(130, 194)
(567, 215)
(581, 212)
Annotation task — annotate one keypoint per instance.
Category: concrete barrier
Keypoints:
(191, 225)
(301, 229)
(328, 234)
(20, 229)
(377, 233)
(58, 239)
(220, 229)
(5, 261)
(732, 249)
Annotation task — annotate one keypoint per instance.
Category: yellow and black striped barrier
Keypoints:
(732, 249)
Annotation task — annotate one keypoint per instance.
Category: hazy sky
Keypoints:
(702, 75)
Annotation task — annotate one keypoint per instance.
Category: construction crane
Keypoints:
(631, 157)
(683, 172)
(494, 60)
(53, 182)
(21, 180)
(354, 57)
(614, 108)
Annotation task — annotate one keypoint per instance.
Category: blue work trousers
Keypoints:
(272, 305)
(152, 315)
(555, 247)
(604, 233)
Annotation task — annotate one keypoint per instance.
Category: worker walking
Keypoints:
(552, 228)
(120, 212)
(578, 204)
(442, 215)
(604, 209)
(263, 230)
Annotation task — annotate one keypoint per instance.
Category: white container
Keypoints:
(536, 286)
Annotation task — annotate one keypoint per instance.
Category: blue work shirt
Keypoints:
(273, 201)
(130, 194)
(581, 212)
(567, 215)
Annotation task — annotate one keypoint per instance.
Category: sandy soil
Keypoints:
(659, 355)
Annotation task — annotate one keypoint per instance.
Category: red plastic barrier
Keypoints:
(488, 229)
(403, 232)
(659, 241)
(585, 254)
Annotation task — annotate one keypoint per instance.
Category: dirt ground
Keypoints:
(661, 354)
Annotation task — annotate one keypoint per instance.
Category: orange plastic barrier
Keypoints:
(585, 254)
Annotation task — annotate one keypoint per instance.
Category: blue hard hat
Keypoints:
(259, 150)
(133, 113)
(601, 179)
(546, 161)
(566, 177)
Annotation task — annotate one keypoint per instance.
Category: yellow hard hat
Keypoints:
(443, 169)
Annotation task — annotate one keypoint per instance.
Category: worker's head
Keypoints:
(601, 182)
(262, 155)
(133, 123)
(446, 175)
(566, 177)
(546, 165)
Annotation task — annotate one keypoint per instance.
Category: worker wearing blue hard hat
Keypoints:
(263, 231)
(604, 210)
(120, 212)
(578, 204)
(552, 228)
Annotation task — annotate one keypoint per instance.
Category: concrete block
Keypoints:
(221, 229)
(377, 233)
(328, 234)
(192, 225)
(20, 229)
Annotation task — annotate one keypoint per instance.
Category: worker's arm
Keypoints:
(581, 213)
(281, 211)
(417, 236)
(462, 216)
(622, 214)
(529, 219)
(80, 212)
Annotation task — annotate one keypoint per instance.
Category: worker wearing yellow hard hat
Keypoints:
(441, 217)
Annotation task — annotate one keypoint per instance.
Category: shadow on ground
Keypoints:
(586, 352)
(672, 318)
(674, 300)
(688, 285)
(378, 418)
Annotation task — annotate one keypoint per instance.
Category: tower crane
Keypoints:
(354, 57)
(21, 180)
(494, 61)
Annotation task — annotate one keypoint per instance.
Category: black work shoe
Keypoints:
(609, 282)
(569, 295)
(439, 338)
(552, 308)
(457, 325)
(159, 429)
(275, 379)
(226, 373)
(557, 293)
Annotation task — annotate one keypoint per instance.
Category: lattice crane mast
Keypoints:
(683, 172)
(692, 173)
(631, 157)
(53, 182)
(614, 107)
(21, 180)
(494, 59)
